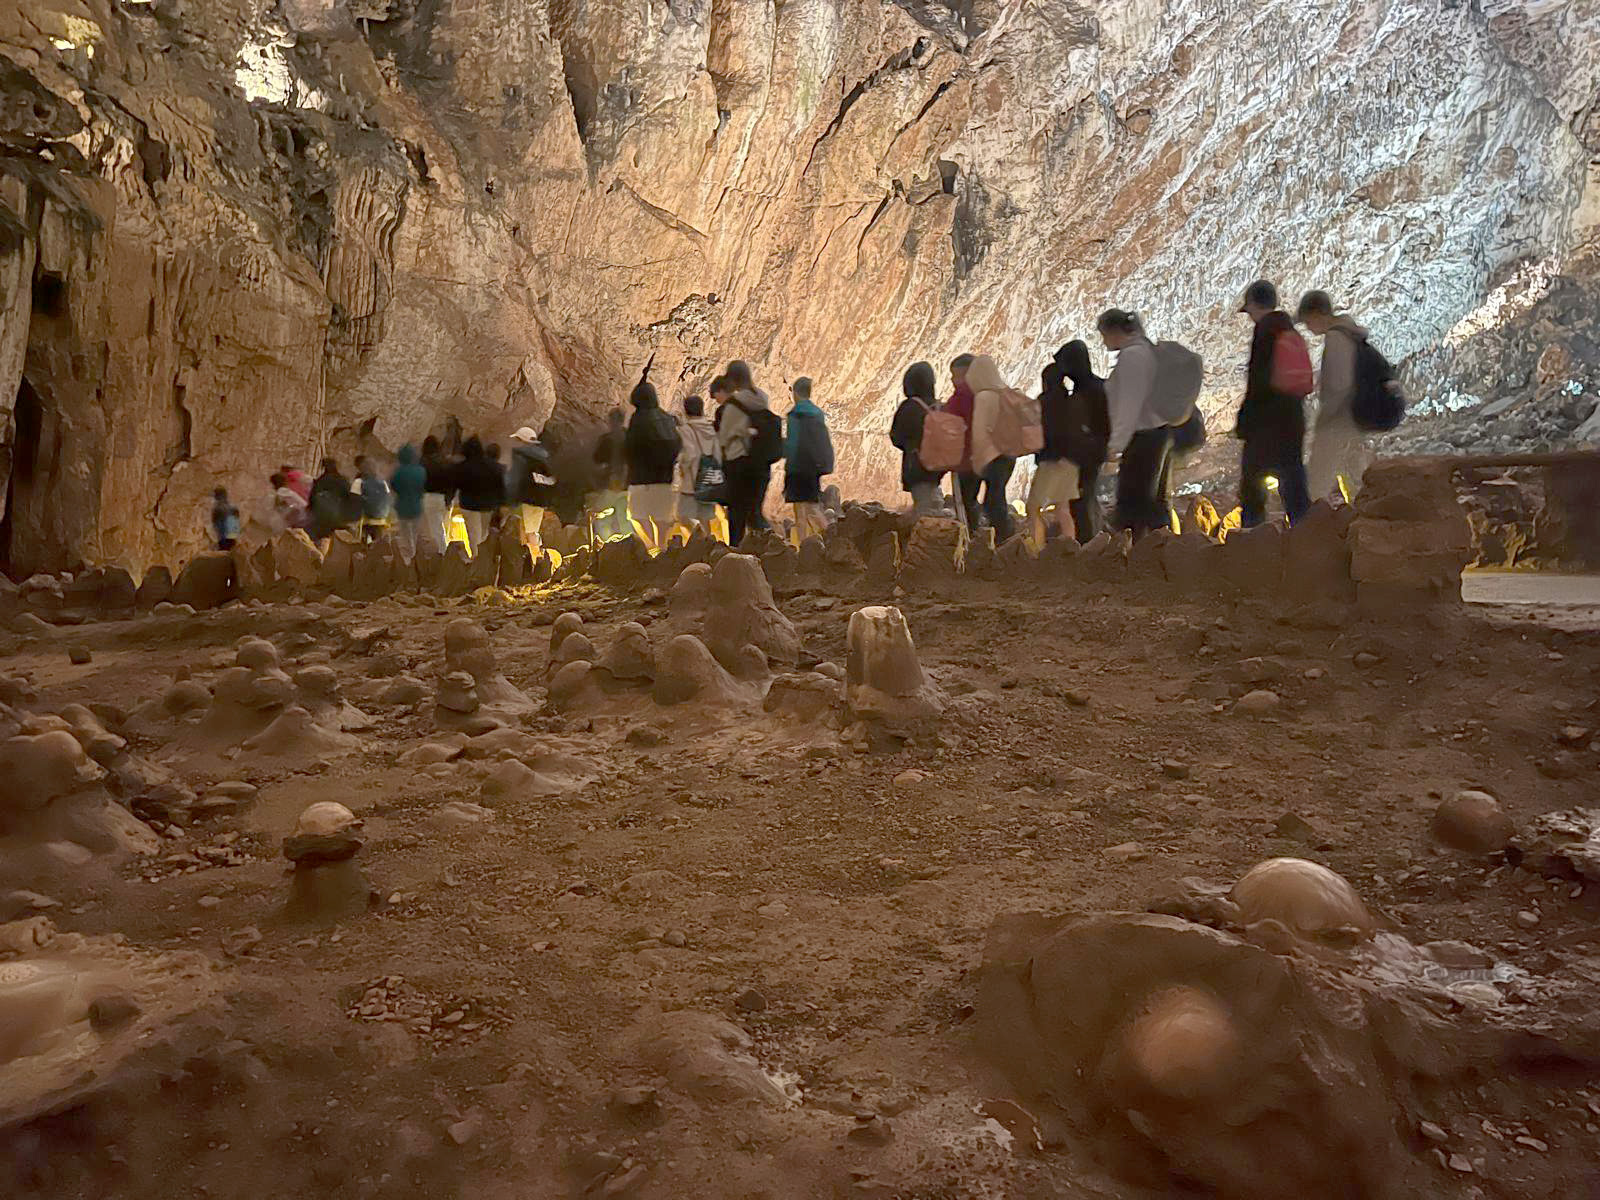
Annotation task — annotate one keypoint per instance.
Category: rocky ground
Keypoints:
(630, 949)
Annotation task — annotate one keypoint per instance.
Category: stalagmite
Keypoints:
(327, 884)
(884, 681)
(740, 612)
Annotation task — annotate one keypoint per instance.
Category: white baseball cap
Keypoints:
(525, 434)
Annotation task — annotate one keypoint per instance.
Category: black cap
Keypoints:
(1261, 293)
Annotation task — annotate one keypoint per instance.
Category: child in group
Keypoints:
(224, 519)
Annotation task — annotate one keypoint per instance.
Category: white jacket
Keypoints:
(1128, 390)
(699, 439)
(1336, 385)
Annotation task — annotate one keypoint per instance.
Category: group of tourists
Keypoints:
(662, 470)
(416, 503)
(1145, 415)
(656, 471)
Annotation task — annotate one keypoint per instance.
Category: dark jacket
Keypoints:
(1088, 419)
(330, 504)
(905, 431)
(1058, 418)
(441, 475)
(1264, 410)
(409, 481)
(651, 443)
(481, 480)
(532, 479)
(611, 456)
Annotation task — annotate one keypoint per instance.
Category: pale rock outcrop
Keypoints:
(884, 682)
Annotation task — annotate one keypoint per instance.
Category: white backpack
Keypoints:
(1180, 374)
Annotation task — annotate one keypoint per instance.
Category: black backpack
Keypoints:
(662, 437)
(813, 449)
(766, 434)
(1190, 436)
(1377, 404)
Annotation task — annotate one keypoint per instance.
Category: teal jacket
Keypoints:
(807, 447)
(409, 481)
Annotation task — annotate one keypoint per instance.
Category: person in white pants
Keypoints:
(1339, 451)
(441, 486)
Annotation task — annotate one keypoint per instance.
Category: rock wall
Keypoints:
(243, 232)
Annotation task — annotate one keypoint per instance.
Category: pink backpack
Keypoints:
(1018, 424)
(944, 440)
(1291, 366)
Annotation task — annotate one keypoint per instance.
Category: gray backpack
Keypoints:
(1180, 374)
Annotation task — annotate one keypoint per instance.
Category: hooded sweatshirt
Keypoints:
(905, 431)
(983, 376)
(1128, 391)
(735, 432)
(482, 482)
(1337, 380)
(409, 482)
(652, 442)
(1263, 408)
(1088, 400)
(699, 438)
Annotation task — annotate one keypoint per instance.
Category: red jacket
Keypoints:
(961, 404)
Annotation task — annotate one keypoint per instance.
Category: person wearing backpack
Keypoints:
(807, 457)
(1272, 418)
(1090, 426)
(1139, 432)
(751, 439)
(1005, 426)
(1338, 448)
(1055, 472)
(906, 432)
(699, 475)
(377, 500)
(651, 448)
(530, 484)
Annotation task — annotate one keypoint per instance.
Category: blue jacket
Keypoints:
(807, 446)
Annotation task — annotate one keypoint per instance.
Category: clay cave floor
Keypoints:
(827, 902)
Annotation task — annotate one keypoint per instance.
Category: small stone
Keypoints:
(1293, 825)
(1532, 1143)
(1315, 672)
(750, 1001)
(1570, 735)
(241, 942)
(871, 1130)
(465, 1130)
(676, 937)
(210, 901)
(1173, 769)
(1432, 1132)
(1472, 821)
(1527, 919)
(1076, 698)
(1258, 702)
(112, 1010)
(909, 781)
(1365, 659)
(1460, 1164)
(1126, 852)
(78, 655)
(646, 735)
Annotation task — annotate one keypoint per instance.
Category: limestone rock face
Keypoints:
(265, 231)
